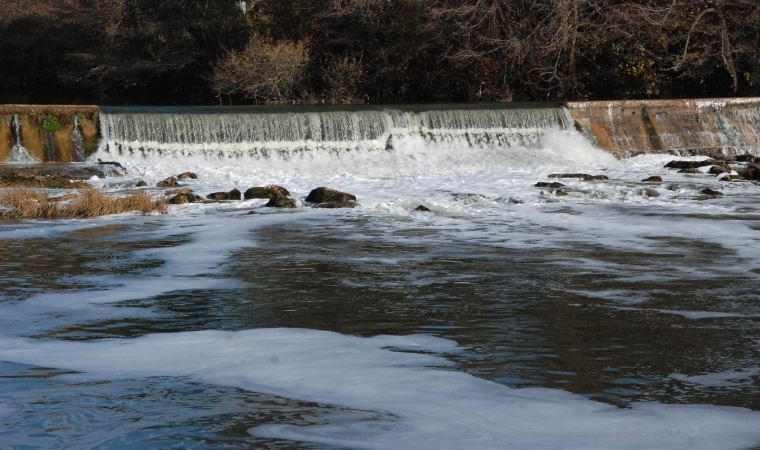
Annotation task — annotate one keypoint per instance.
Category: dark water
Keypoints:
(528, 317)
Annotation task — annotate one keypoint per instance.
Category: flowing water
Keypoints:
(604, 318)
(18, 152)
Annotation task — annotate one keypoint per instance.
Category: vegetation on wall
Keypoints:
(354, 51)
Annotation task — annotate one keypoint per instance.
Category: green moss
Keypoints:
(51, 124)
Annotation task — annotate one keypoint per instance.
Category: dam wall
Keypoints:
(49, 133)
(30, 133)
(682, 127)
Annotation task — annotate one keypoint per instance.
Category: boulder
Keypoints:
(422, 208)
(222, 196)
(717, 170)
(751, 172)
(515, 201)
(183, 190)
(689, 170)
(754, 159)
(268, 192)
(560, 192)
(553, 185)
(652, 179)
(141, 183)
(650, 193)
(569, 175)
(167, 182)
(326, 195)
(281, 201)
(595, 178)
(708, 194)
(337, 204)
(691, 164)
(187, 176)
(185, 197)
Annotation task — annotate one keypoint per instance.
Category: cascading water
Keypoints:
(261, 134)
(18, 152)
(77, 139)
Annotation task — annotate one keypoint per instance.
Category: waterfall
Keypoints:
(18, 152)
(257, 133)
(77, 140)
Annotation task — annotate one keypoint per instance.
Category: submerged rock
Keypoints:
(515, 201)
(141, 183)
(327, 195)
(747, 158)
(337, 204)
(717, 170)
(650, 193)
(553, 185)
(222, 196)
(179, 191)
(167, 182)
(691, 164)
(569, 175)
(596, 178)
(751, 172)
(187, 176)
(689, 170)
(270, 191)
(422, 208)
(185, 197)
(709, 194)
(652, 179)
(281, 201)
(560, 192)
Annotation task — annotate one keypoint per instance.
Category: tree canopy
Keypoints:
(378, 51)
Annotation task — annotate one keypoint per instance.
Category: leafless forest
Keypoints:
(375, 51)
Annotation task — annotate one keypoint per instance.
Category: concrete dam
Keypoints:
(69, 133)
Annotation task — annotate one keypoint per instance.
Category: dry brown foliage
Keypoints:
(28, 203)
(262, 70)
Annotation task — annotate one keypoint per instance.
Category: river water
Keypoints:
(603, 318)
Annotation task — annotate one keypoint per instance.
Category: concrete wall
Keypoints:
(686, 127)
(59, 142)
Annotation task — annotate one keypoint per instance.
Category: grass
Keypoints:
(24, 203)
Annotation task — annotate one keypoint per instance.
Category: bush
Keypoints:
(342, 78)
(262, 71)
(51, 124)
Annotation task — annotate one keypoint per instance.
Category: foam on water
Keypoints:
(431, 407)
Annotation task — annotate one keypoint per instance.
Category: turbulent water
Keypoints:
(507, 317)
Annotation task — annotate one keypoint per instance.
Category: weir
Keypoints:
(682, 127)
(262, 132)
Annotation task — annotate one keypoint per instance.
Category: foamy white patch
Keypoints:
(430, 407)
(694, 315)
(721, 379)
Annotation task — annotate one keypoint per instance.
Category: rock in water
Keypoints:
(422, 208)
(691, 164)
(326, 195)
(747, 158)
(271, 191)
(553, 185)
(652, 179)
(221, 196)
(569, 175)
(167, 182)
(281, 202)
(709, 194)
(185, 197)
(337, 204)
(717, 170)
(595, 178)
(187, 176)
(651, 193)
(141, 183)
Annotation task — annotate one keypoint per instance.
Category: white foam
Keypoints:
(721, 379)
(429, 406)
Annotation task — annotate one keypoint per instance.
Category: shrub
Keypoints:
(262, 70)
(51, 124)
